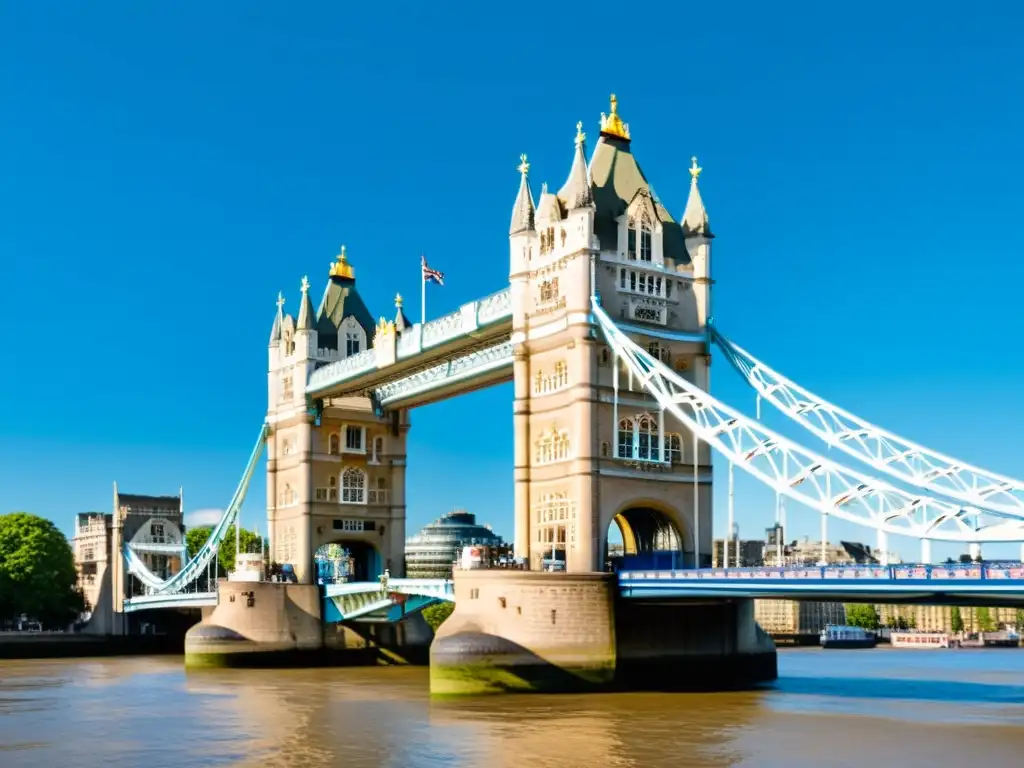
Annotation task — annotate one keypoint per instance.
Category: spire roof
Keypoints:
(306, 315)
(695, 217)
(401, 321)
(524, 211)
(275, 331)
(340, 301)
(576, 192)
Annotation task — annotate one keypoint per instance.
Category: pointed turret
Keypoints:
(275, 331)
(524, 210)
(695, 217)
(576, 192)
(401, 321)
(306, 315)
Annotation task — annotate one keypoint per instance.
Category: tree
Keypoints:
(984, 619)
(956, 620)
(861, 615)
(37, 572)
(436, 614)
(1020, 619)
(249, 541)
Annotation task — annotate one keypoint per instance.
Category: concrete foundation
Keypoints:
(535, 631)
(267, 624)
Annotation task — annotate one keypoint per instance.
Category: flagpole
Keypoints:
(423, 292)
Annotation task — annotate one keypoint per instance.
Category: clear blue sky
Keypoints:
(167, 168)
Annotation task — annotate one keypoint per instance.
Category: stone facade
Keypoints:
(337, 475)
(582, 459)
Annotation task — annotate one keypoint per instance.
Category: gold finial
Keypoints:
(524, 167)
(341, 267)
(385, 326)
(695, 169)
(612, 124)
(580, 135)
(280, 301)
(305, 284)
(398, 300)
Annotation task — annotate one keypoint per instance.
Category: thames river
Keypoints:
(879, 707)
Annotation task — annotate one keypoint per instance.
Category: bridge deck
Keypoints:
(471, 331)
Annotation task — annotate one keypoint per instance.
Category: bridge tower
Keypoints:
(591, 449)
(335, 474)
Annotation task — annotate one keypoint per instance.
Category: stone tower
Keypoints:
(585, 459)
(334, 475)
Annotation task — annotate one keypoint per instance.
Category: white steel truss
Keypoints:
(197, 565)
(880, 449)
(794, 471)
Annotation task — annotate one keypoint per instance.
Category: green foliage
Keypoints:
(984, 618)
(436, 614)
(901, 622)
(37, 572)
(956, 620)
(249, 540)
(862, 615)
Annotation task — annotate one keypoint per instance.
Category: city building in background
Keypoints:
(431, 553)
(91, 546)
(743, 553)
(791, 617)
(939, 618)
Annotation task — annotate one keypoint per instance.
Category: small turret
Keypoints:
(275, 331)
(576, 192)
(401, 321)
(695, 217)
(524, 211)
(306, 314)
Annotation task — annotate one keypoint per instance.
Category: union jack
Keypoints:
(431, 275)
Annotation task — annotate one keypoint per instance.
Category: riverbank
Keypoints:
(66, 645)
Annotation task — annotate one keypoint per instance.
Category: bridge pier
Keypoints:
(536, 631)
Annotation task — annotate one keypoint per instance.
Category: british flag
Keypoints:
(431, 275)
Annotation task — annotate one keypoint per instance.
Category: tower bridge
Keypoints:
(606, 332)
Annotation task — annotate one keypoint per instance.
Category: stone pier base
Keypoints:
(267, 624)
(532, 631)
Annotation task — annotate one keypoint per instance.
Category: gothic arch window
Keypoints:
(287, 497)
(647, 443)
(334, 444)
(552, 446)
(646, 249)
(638, 438)
(353, 486)
(674, 448)
(353, 338)
(625, 447)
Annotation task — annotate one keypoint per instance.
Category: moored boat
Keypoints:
(840, 636)
(920, 639)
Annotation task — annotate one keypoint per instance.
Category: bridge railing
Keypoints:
(470, 317)
(902, 572)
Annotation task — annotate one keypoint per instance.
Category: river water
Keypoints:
(879, 707)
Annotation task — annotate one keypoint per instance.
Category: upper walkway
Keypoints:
(950, 584)
(469, 345)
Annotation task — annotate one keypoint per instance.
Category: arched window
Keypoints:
(647, 438)
(378, 449)
(625, 439)
(674, 448)
(334, 444)
(352, 341)
(353, 486)
(646, 252)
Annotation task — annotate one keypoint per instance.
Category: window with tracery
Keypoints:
(353, 486)
(554, 520)
(549, 290)
(545, 382)
(640, 234)
(287, 497)
(638, 438)
(674, 448)
(552, 446)
(641, 282)
(660, 352)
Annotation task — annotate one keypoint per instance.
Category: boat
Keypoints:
(840, 636)
(920, 639)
